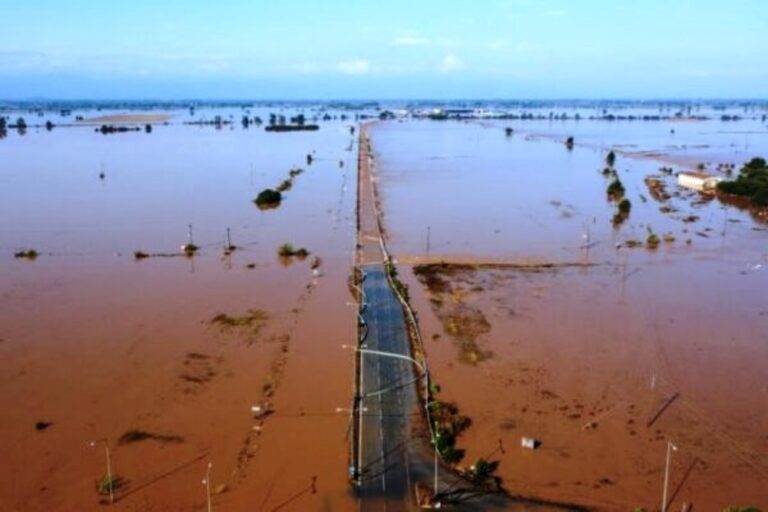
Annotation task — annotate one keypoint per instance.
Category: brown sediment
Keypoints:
(537, 386)
(252, 322)
(657, 188)
(135, 436)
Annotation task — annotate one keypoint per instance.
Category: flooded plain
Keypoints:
(546, 319)
(164, 357)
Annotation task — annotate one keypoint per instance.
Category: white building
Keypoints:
(699, 181)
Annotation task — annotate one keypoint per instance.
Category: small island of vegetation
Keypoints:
(752, 183)
(268, 198)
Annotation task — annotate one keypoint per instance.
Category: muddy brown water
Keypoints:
(99, 344)
(583, 358)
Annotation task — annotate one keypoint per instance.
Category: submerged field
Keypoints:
(546, 319)
(542, 315)
(165, 356)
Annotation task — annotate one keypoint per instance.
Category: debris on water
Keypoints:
(42, 425)
(140, 255)
(530, 443)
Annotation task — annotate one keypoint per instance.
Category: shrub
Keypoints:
(29, 254)
(286, 250)
(752, 182)
(615, 190)
(625, 205)
(268, 197)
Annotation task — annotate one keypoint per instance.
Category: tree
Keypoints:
(610, 158)
(21, 126)
(48, 125)
(569, 143)
(3, 127)
(148, 128)
(246, 122)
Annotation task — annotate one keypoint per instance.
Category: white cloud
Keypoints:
(410, 41)
(451, 63)
(354, 67)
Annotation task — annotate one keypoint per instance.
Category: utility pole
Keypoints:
(670, 447)
(207, 484)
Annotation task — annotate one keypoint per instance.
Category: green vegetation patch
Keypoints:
(27, 254)
(268, 198)
(752, 183)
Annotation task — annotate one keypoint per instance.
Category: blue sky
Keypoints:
(383, 49)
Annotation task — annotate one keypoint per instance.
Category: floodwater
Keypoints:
(98, 344)
(604, 364)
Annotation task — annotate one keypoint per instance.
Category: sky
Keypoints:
(391, 49)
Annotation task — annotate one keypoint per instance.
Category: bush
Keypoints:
(286, 250)
(615, 190)
(625, 205)
(752, 183)
(268, 197)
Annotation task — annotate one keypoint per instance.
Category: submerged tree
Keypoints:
(569, 143)
(610, 158)
(21, 126)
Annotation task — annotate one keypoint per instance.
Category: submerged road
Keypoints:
(389, 402)
(392, 453)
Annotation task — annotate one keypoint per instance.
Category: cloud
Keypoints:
(410, 41)
(451, 63)
(354, 67)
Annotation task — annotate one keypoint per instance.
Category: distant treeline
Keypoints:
(291, 127)
(444, 116)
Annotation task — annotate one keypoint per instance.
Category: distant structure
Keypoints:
(699, 181)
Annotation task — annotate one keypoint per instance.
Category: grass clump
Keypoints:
(653, 241)
(268, 198)
(287, 250)
(189, 249)
(27, 254)
(284, 186)
(107, 485)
